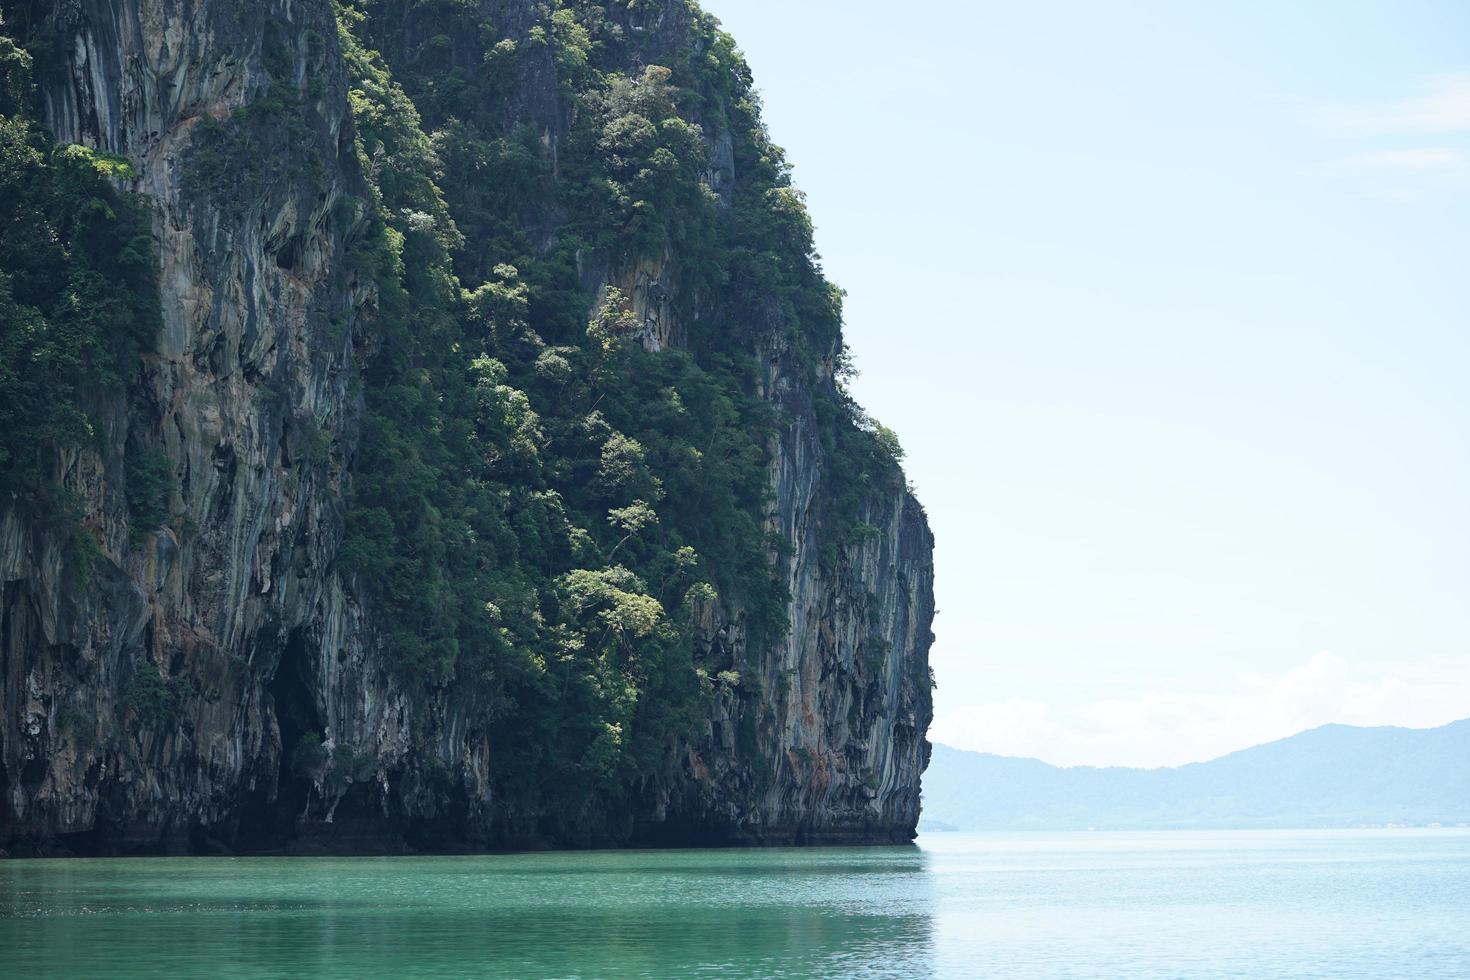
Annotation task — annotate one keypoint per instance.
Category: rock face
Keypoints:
(254, 394)
(848, 689)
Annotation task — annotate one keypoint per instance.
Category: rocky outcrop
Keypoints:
(249, 381)
(215, 682)
(844, 698)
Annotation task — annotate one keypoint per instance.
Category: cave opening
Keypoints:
(300, 725)
(270, 819)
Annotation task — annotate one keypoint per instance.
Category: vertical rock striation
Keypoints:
(845, 696)
(249, 375)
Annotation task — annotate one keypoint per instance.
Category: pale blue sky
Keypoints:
(1170, 304)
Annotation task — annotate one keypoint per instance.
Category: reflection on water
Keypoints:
(1249, 904)
(645, 913)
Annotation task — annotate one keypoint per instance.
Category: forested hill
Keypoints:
(424, 424)
(1334, 776)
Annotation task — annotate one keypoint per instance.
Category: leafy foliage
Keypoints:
(150, 484)
(541, 510)
(156, 700)
(78, 301)
(541, 506)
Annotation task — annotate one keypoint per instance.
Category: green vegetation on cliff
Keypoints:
(595, 311)
(541, 504)
(78, 294)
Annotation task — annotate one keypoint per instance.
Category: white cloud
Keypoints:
(1441, 104)
(1434, 121)
(1416, 159)
(1165, 728)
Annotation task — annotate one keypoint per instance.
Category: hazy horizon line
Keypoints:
(1216, 758)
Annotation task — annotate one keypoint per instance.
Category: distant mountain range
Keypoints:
(1334, 776)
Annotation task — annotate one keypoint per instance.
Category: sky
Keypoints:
(1169, 304)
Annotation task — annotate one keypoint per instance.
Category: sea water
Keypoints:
(1393, 903)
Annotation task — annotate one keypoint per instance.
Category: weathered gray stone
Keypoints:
(239, 603)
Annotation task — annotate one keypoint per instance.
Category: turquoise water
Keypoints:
(1252, 904)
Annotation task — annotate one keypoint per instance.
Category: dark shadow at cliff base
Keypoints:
(355, 834)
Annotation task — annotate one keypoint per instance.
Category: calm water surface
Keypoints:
(1253, 904)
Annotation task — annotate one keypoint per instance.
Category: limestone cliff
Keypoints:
(226, 680)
